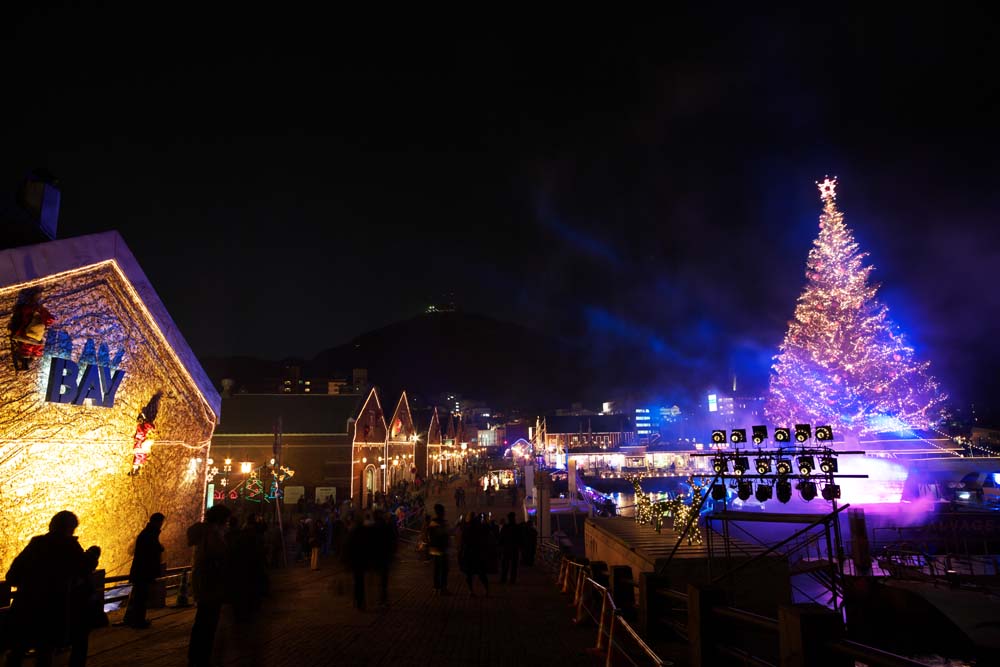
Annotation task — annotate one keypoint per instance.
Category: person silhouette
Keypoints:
(145, 569)
(51, 608)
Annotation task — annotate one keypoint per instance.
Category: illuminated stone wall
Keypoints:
(57, 456)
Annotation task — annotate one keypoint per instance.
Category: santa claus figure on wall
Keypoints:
(142, 443)
(27, 331)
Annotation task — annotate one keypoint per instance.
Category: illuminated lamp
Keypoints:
(828, 464)
(246, 466)
(802, 433)
(718, 492)
(807, 490)
(744, 490)
(364, 459)
(740, 465)
(763, 492)
(784, 467)
(824, 433)
(718, 437)
(806, 465)
(738, 435)
(831, 491)
(782, 435)
(763, 466)
(719, 465)
(759, 435)
(784, 491)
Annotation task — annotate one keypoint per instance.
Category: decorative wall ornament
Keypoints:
(27, 331)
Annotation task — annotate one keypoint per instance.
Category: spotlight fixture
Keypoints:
(802, 433)
(806, 465)
(782, 435)
(763, 492)
(831, 491)
(740, 465)
(763, 466)
(718, 492)
(738, 435)
(828, 464)
(759, 435)
(824, 433)
(784, 491)
(744, 490)
(807, 490)
(784, 467)
(719, 465)
(718, 437)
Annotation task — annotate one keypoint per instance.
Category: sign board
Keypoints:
(293, 493)
(97, 384)
(324, 493)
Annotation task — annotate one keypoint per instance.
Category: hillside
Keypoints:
(464, 353)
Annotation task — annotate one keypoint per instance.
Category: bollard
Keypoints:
(182, 592)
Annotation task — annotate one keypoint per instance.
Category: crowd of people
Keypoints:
(484, 546)
(58, 601)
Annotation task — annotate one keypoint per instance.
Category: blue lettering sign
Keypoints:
(98, 383)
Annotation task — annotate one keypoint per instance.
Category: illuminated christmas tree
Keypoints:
(843, 362)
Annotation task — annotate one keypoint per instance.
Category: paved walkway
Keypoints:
(309, 620)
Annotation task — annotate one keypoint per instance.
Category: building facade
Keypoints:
(309, 434)
(104, 409)
(400, 445)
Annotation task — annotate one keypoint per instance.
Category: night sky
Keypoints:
(290, 182)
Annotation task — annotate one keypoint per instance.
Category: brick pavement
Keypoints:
(309, 620)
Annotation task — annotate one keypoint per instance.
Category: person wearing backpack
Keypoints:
(437, 534)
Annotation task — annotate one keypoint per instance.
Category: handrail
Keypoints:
(172, 572)
(823, 518)
(608, 611)
(871, 655)
(747, 617)
(657, 660)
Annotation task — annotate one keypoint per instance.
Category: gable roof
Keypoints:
(46, 261)
(404, 416)
(301, 414)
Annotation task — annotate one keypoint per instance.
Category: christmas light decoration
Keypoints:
(52, 453)
(142, 444)
(648, 512)
(843, 361)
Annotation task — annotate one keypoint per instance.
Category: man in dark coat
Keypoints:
(510, 548)
(529, 541)
(145, 570)
(208, 577)
(54, 587)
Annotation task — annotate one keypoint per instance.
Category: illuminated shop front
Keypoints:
(105, 410)
(400, 445)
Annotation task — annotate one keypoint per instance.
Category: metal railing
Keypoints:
(737, 618)
(574, 577)
(175, 578)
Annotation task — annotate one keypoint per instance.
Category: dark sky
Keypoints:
(288, 182)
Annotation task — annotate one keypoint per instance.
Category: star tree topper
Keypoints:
(828, 188)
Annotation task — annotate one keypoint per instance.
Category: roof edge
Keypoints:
(43, 260)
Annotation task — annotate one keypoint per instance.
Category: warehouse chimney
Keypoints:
(39, 196)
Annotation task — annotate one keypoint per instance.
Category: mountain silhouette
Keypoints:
(468, 354)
